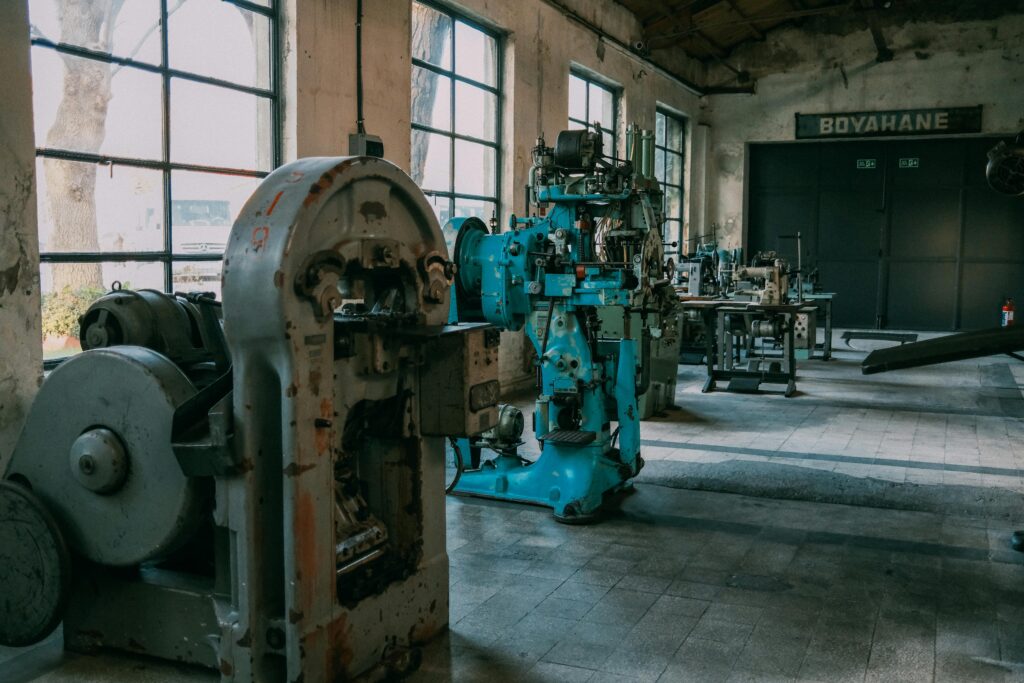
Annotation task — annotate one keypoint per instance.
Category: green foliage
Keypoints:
(61, 310)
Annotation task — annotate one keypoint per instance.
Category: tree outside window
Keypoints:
(455, 113)
(154, 121)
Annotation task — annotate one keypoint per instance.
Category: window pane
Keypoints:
(124, 213)
(474, 168)
(609, 143)
(674, 169)
(659, 164)
(602, 107)
(431, 36)
(217, 39)
(135, 26)
(475, 207)
(442, 207)
(673, 203)
(70, 288)
(577, 98)
(659, 129)
(431, 160)
(576, 125)
(213, 126)
(675, 135)
(476, 54)
(431, 99)
(85, 105)
(476, 112)
(203, 209)
(197, 276)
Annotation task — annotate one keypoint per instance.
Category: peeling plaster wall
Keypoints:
(541, 45)
(834, 70)
(21, 360)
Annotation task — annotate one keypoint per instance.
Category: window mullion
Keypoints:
(166, 151)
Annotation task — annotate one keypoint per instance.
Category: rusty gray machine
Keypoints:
(257, 487)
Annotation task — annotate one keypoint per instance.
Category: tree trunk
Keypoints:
(80, 125)
(429, 28)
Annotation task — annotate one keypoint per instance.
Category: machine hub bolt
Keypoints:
(98, 461)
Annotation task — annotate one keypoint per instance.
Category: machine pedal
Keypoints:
(570, 437)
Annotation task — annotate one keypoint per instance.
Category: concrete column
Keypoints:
(21, 347)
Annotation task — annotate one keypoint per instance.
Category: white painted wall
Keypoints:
(935, 65)
(541, 46)
(20, 327)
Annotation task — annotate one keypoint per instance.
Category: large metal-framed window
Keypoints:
(155, 120)
(669, 161)
(456, 114)
(590, 102)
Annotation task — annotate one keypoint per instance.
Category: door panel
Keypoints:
(915, 216)
(922, 296)
(856, 287)
(985, 286)
(925, 224)
(849, 224)
(783, 212)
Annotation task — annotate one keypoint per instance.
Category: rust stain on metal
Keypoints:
(373, 211)
(225, 668)
(304, 531)
(323, 435)
(273, 204)
(314, 382)
(295, 469)
(293, 389)
(294, 616)
(341, 651)
(279, 279)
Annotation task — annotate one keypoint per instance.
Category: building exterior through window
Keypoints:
(593, 102)
(669, 159)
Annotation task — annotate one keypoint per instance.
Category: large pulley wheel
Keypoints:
(35, 568)
(96, 450)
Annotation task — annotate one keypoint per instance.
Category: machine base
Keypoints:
(572, 480)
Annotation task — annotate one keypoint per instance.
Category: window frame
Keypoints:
(497, 90)
(590, 80)
(682, 122)
(166, 256)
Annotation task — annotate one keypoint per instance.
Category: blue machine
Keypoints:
(594, 249)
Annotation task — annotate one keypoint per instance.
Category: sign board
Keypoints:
(910, 162)
(865, 164)
(870, 124)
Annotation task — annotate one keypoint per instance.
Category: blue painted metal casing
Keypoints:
(500, 281)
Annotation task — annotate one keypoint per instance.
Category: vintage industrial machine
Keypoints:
(585, 278)
(267, 500)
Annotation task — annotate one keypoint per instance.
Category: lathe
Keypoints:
(265, 497)
(585, 277)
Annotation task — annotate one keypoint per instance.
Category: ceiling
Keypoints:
(710, 29)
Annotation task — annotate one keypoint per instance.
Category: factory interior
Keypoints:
(522, 340)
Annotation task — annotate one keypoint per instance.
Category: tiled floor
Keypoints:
(696, 586)
(916, 582)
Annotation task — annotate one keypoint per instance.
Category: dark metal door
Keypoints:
(907, 233)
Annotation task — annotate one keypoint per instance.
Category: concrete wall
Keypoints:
(833, 69)
(541, 46)
(20, 327)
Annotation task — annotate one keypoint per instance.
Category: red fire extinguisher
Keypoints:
(1008, 309)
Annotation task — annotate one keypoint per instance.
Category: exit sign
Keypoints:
(865, 164)
(910, 162)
